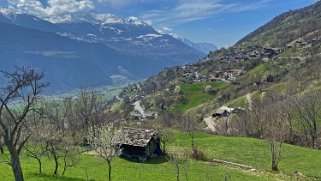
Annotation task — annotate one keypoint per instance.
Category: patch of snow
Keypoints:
(150, 36)
(134, 20)
(61, 19)
(108, 19)
(92, 35)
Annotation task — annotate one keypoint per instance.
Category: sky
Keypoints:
(221, 22)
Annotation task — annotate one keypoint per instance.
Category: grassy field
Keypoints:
(256, 153)
(252, 152)
(124, 170)
(195, 95)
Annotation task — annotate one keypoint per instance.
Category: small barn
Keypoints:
(140, 143)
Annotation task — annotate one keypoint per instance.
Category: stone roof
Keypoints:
(137, 137)
(222, 109)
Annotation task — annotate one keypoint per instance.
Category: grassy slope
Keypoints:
(124, 170)
(242, 150)
(255, 153)
(195, 95)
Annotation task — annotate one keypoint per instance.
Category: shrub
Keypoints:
(197, 154)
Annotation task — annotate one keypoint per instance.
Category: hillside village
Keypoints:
(192, 73)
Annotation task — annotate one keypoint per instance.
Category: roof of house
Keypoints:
(137, 137)
(222, 109)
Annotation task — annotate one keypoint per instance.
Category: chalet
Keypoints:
(289, 46)
(140, 143)
(223, 112)
(267, 56)
(315, 39)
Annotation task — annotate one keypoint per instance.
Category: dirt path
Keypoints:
(249, 100)
(210, 122)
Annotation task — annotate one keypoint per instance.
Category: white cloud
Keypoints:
(55, 7)
(122, 2)
(165, 28)
(193, 10)
(149, 22)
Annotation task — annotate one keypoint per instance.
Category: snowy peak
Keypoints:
(108, 19)
(103, 19)
(134, 20)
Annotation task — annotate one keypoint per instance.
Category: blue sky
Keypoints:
(222, 22)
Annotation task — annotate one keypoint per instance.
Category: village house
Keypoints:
(223, 111)
(140, 144)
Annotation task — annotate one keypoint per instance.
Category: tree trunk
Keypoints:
(109, 170)
(56, 166)
(275, 153)
(193, 139)
(40, 166)
(275, 166)
(16, 166)
(177, 172)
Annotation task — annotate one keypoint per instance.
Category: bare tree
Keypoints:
(181, 162)
(17, 100)
(174, 159)
(275, 135)
(276, 126)
(88, 107)
(69, 157)
(37, 147)
(165, 137)
(105, 140)
(257, 115)
(189, 124)
(61, 147)
(307, 113)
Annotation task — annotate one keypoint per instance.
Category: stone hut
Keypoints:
(140, 143)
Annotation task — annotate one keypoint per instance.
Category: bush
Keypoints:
(197, 154)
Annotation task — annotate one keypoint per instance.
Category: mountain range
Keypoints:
(89, 50)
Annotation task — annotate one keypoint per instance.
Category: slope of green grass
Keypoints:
(195, 95)
(255, 153)
(241, 150)
(159, 169)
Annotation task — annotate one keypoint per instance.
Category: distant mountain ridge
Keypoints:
(202, 47)
(88, 50)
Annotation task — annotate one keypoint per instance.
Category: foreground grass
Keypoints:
(93, 168)
(252, 152)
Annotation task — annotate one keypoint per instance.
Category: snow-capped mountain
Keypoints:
(202, 47)
(88, 49)
(129, 35)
